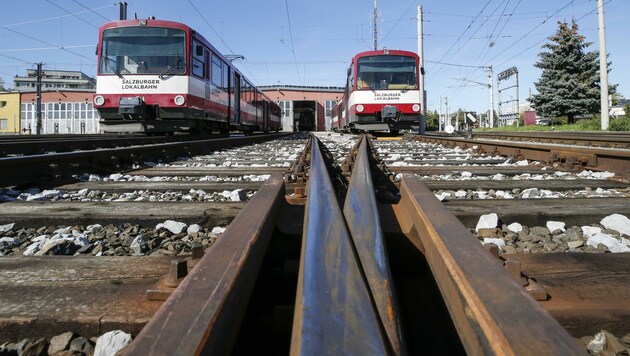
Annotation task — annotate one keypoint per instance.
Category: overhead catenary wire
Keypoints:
(297, 68)
(546, 38)
(218, 35)
(92, 11)
(81, 19)
(397, 21)
(487, 47)
(533, 29)
(46, 43)
(557, 11)
(457, 40)
(57, 17)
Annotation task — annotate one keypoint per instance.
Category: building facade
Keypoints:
(62, 112)
(295, 100)
(9, 112)
(54, 80)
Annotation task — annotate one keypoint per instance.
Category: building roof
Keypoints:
(301, 88)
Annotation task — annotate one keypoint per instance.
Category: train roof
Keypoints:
(380, 52)
(144, 22)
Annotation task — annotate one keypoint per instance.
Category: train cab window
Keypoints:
(217, 70)
(198, 62)
(387, 72)
(142, 50)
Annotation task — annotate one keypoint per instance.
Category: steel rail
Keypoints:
(334, 314)
(492, 313)
(603, 159)
(39, 145)
(203, 315)
(58, 166)
(361, 213)
(601, 139)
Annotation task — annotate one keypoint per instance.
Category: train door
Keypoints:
(265, 115)
(237, 99)
(227, 78)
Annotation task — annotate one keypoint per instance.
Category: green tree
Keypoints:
(569, 85)
(432, 118)
(616, 98)
(2, 87)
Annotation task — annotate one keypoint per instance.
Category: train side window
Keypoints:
(198, 62)
(226, 75)
(217, 71)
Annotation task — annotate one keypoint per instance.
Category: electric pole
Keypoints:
(40, 74)
(375, 33)
(423, 107)
(603, 65)
(447, 119)
(491, 95)
(440, 126)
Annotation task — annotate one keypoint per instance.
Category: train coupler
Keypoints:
(132, 106)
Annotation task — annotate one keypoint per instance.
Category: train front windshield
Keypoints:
(143, 50)
(387, 72)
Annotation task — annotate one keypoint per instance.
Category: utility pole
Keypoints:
(491, 95)
(603, 65)
(423, 106)
(38, 128)
(440, 126)
(448, 117)
(375, 33)
(518, 104)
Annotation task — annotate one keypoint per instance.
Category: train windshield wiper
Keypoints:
(108, 65)
(170, 67)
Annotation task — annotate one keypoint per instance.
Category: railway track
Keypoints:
(594, 139)
(352, 251)
(102, 154)
(18, 145)
(569, 156)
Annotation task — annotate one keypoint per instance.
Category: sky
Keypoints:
(311, 43)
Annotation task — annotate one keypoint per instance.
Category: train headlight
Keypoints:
(360, 108)
(415, 107)
(99, 100)
(180, 100)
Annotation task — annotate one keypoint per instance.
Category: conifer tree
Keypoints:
(569, 85)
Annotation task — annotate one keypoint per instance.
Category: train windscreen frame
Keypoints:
(387, 72)
(143, 50)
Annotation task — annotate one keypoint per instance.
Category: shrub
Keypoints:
(620, 124)
(593, 124)
(555, 121)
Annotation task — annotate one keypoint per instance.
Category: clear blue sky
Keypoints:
(311, 42)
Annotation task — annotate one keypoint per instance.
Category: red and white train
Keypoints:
(158, 76)
(382, 93)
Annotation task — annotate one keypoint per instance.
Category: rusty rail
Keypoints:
(345, 301)
(333, 310)
(613, 160)
(610, 139)
(55, 167)
(202, 316)
(361, 213)
(492, 313)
